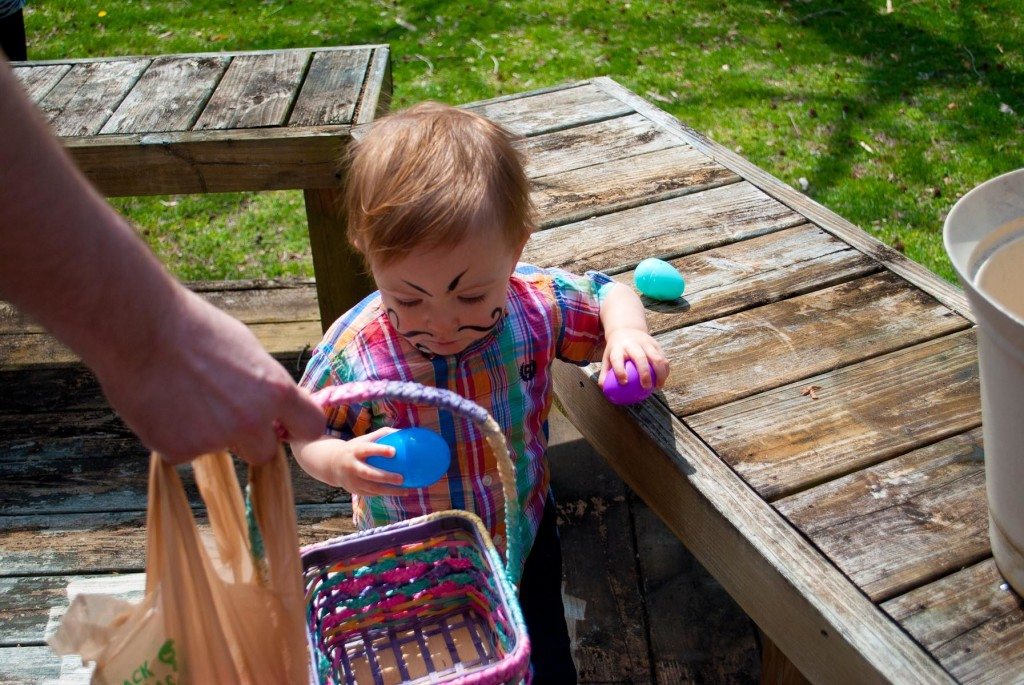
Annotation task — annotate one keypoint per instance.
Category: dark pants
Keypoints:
(540, 596)
(12, 36)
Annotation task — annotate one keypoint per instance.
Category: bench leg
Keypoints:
(341, 277)
(776, 668)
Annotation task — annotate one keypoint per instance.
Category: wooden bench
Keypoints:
(817, 447)
(223, 122)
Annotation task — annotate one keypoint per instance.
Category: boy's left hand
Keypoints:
(637, 345)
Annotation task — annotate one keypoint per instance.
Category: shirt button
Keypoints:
(488, 480)
(498, 539)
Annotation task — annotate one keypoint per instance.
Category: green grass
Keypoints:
(889, 117)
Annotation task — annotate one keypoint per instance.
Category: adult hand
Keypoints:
(206, 383)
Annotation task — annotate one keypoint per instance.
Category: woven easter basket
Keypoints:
(427, 600)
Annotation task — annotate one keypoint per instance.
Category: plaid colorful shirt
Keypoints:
(549, 313)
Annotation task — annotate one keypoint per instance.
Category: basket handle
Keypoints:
(414, 393)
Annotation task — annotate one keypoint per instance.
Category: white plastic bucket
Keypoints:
(984, 237)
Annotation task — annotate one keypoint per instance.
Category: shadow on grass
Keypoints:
(905, 60)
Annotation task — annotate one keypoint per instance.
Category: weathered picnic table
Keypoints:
(223, 122)
(817, 446)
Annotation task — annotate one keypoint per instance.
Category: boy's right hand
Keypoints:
(342, 463)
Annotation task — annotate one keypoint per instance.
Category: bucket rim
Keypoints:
(961, 252)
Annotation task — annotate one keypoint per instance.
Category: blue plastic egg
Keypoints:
(421, 456)
(658, 279)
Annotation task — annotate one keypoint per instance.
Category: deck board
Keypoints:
(555, 110)
(169, 95)
(760, 349)
(892, 527)
(256, 91)
(784, 440)
(971, 620)
(754, 272)
(582, 146)
(327, 95)
(40, 80)
(89, 543)
(620, 184)
(88, 94)
(670, 228)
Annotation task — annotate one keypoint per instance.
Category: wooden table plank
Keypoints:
(249, 301)
(32, 606)
(904, 522)
(613, 186)
(553, 110)
(97, 469)
(88, 95)
(742, 354)
(783, 441)
(673, 227)
(39, 80)
(33, 349)
(29, 665)
(74, 388)
(972, 621)
(754, 272)
(104, 542)
(169, 96)
(330, 91)
(213, 161)
(590, 144)
(256, 91)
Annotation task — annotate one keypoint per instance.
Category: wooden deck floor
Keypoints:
(72, 509)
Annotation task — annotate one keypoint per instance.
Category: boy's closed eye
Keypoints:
(472, 299)
(407, 303)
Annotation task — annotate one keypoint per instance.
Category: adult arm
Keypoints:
(186, 377)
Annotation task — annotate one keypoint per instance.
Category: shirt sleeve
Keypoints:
(580, 337)
(325, 368)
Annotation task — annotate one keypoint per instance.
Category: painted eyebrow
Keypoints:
(413, 285)
(455, 282)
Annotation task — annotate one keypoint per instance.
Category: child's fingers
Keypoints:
(375, 477)
(373, 436)
(615, 362)
(367, 448)
(368, 486)
(658, 362)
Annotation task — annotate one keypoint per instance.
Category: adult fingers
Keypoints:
(256, 446)
(299, 418)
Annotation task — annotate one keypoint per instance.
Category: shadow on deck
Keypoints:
(640, 608)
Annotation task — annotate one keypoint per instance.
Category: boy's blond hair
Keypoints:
(422, 176)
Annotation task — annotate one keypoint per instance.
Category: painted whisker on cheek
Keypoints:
(393, 319)
(495, 316)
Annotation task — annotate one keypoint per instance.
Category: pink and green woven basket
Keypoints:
(428, 600)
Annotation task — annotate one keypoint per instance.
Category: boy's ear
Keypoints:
(519, 252)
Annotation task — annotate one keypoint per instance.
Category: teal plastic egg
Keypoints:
(658, 279)
(421, 456)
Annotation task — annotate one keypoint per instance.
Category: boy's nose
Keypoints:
(443, 324)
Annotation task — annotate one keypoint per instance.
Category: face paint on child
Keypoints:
(444, 299)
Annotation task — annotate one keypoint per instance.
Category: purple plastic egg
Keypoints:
(629, 393)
